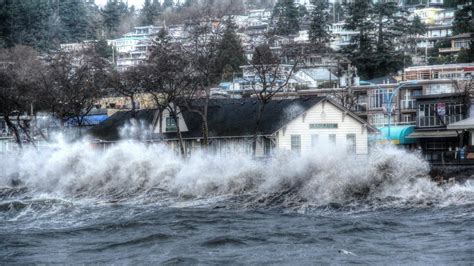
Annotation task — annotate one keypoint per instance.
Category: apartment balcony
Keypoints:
(362, 107)
(424, 73)
(449, 50)
(426, 122)
(408, 104)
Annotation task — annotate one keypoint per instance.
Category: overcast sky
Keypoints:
(137, 3)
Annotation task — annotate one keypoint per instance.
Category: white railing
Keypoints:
(433, 121)
(408, 104)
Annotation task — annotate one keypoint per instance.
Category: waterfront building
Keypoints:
(298, 125)
(445, 99)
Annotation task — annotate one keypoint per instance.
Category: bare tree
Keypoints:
(464, 96)
(18, 88)
(269, 77)
(203, 47)
(202, 52)
(127, 84)
(167, 76)
(72, 83)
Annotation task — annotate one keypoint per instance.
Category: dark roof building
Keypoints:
(288, 124)
(227, 118)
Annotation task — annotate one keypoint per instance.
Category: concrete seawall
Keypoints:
(460, 172)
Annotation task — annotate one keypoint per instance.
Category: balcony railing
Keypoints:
(449, 50)
(430, 74)
(433, 121)
(359, 108)
(408, 104)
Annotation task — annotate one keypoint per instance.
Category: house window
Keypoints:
(314, 140)
(267, 146)
(296, 143)
(332, 138)
(170, 124)
(351, 143)
(407, 118)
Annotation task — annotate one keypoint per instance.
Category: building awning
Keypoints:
(88, 120)
(398, 134)
(433, 134)
(467, 123)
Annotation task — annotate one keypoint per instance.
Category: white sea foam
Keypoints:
(132, 169)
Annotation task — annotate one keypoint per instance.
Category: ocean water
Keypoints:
(136, 203)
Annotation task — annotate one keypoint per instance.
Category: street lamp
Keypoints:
(389, 106)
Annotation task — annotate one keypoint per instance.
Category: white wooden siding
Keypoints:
(165, 114)
(328, 114)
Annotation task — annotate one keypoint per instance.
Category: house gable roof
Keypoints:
(227, 118)
(109, 130)
(238, 117)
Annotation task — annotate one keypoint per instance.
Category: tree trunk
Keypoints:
(257, 128)
(132, 98)
(160, 120)
(14, 129)
(380, 37)
(25, 131)
(205, 133)
(178, 132)
(205, 126)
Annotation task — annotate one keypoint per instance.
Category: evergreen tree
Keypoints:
(464, 19)
(102, 49)
(319, 28)
(73, 18)
(188, 3)
(46, 24)
(94, 22)
(453, 3)
(230, 54)
(416, 28)
(150, 12)
(466, 55)
(374, 50)
(112, 15)
(286, 15)
(25, 22)
(168, 4)
(360, 49)
(337, 13)
(302, 14)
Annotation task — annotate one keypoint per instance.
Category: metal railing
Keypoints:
(362, 107)
(408, 104)
(433, 74)
(448, 157)
(433, 121)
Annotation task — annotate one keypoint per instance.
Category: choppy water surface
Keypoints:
(137, 204)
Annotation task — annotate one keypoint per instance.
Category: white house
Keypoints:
(313, 77)
(298, 125)
(132, 48)
(341, 36)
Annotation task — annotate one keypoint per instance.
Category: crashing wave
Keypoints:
(131, 170)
